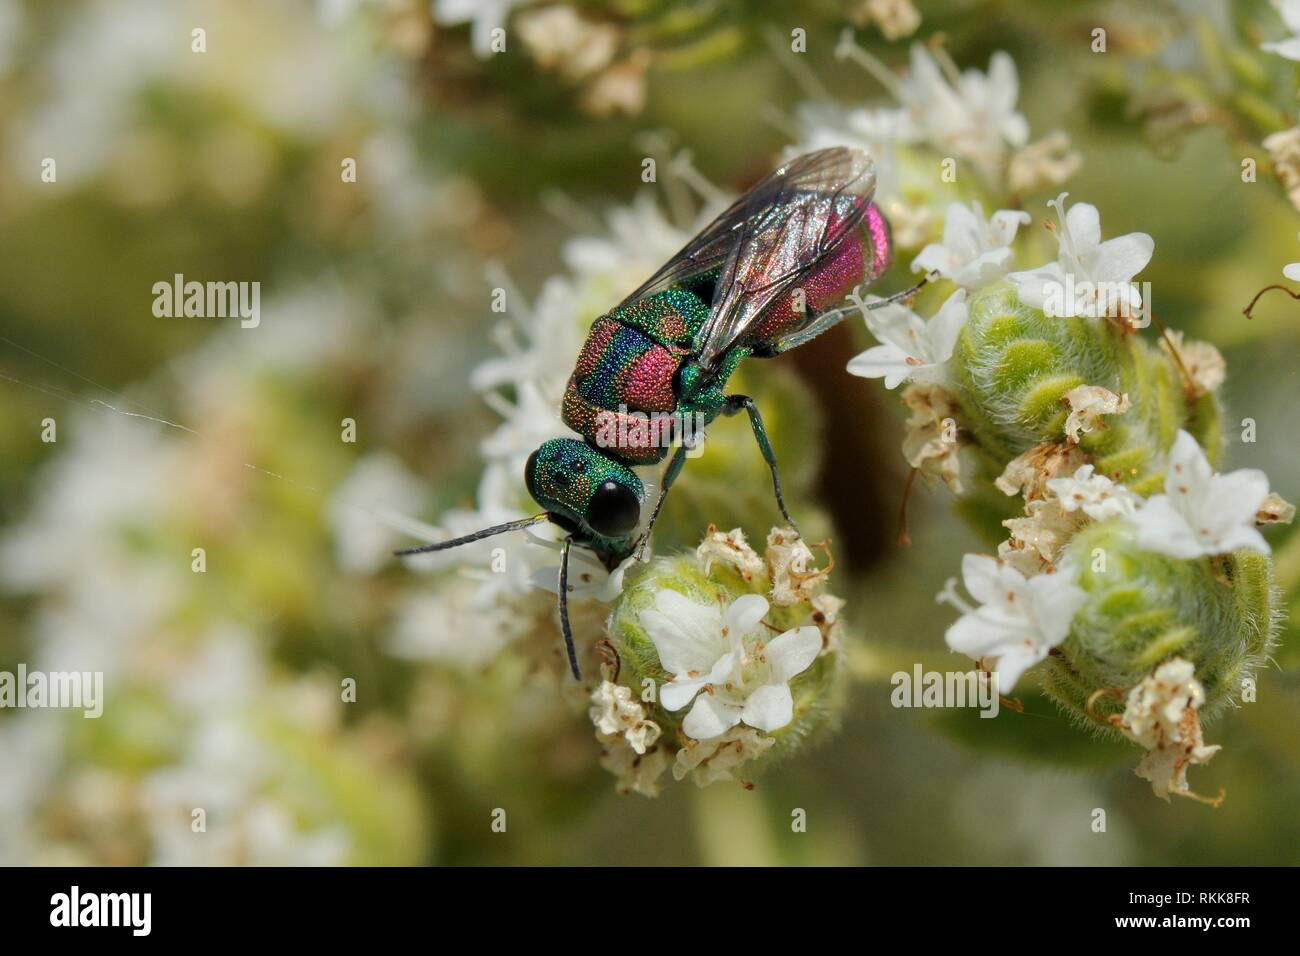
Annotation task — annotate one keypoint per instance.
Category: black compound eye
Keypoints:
(614, 509)
(530, 471)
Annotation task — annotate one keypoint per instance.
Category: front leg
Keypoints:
(737, 403)
(670, 475)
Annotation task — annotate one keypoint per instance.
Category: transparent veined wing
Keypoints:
(708, 250)
(777, 234)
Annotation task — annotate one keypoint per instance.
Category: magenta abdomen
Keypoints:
(862, 258)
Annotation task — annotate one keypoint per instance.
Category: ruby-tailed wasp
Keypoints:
(757, 281)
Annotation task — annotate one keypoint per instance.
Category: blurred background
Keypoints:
(479, 169)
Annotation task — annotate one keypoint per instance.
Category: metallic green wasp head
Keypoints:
(582, 487)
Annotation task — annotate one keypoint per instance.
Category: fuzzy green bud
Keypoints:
(1014, 366)
(1143, 608)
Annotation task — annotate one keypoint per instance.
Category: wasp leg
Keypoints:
(737, 403)
(670, 475)
(899, 296)
(564, 609)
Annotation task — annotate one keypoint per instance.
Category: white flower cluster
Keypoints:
(729, 670)
(1161, 716)
(966, 116)
(1025, 598)
(99, 549)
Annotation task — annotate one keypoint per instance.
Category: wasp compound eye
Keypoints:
(614, 509)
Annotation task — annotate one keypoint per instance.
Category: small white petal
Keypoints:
(981, 575)
(770, 707)
(1120, 259)
(687, 635)
(1084, 223)
(677, 693)
(1012, 664)
(1162, 528)
(882, 361)
(711, 717)
(1289, 48)
(745, 612)
(793, 652)
(1234, 539)
(1237, 496)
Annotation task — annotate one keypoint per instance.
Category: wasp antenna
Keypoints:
(476, 536)
(564, 609)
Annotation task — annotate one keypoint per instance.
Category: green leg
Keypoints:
(737, 403)
(670, 475)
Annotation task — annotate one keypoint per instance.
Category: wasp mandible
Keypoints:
(758, 281)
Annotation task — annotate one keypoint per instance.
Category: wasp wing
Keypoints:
(780, 231)
(709, 249)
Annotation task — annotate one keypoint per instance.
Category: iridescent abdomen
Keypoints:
(621, 395)
(862, 258)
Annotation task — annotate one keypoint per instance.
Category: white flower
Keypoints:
(621, 88)
(1087, 404)
(1201, 513)
(1098, 496)
(559, 39)
(484, 16)
(933, 441)
(640, 239)
(1029, 472)
(1161, 715)
(975, 251)
(1018, 620)
(790, 568)
(744, 678)
(366, 512)
(501, 565)
(1090, 277)
(973, 116)
(1290, 47)
(1284, 152)
(616, 713)
(967, 115)
(447, 625)
(1275, 510)
(588, 577)
(634, 772)
(1292, 270)
(1038, 538)
(729, 548)
(896, 18)
(913, 348)
(709, 761)
(1203, 362)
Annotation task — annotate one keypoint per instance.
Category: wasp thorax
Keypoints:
(584, 487)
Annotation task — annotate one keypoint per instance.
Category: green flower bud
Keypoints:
(1014, 366)
(1143, 608)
